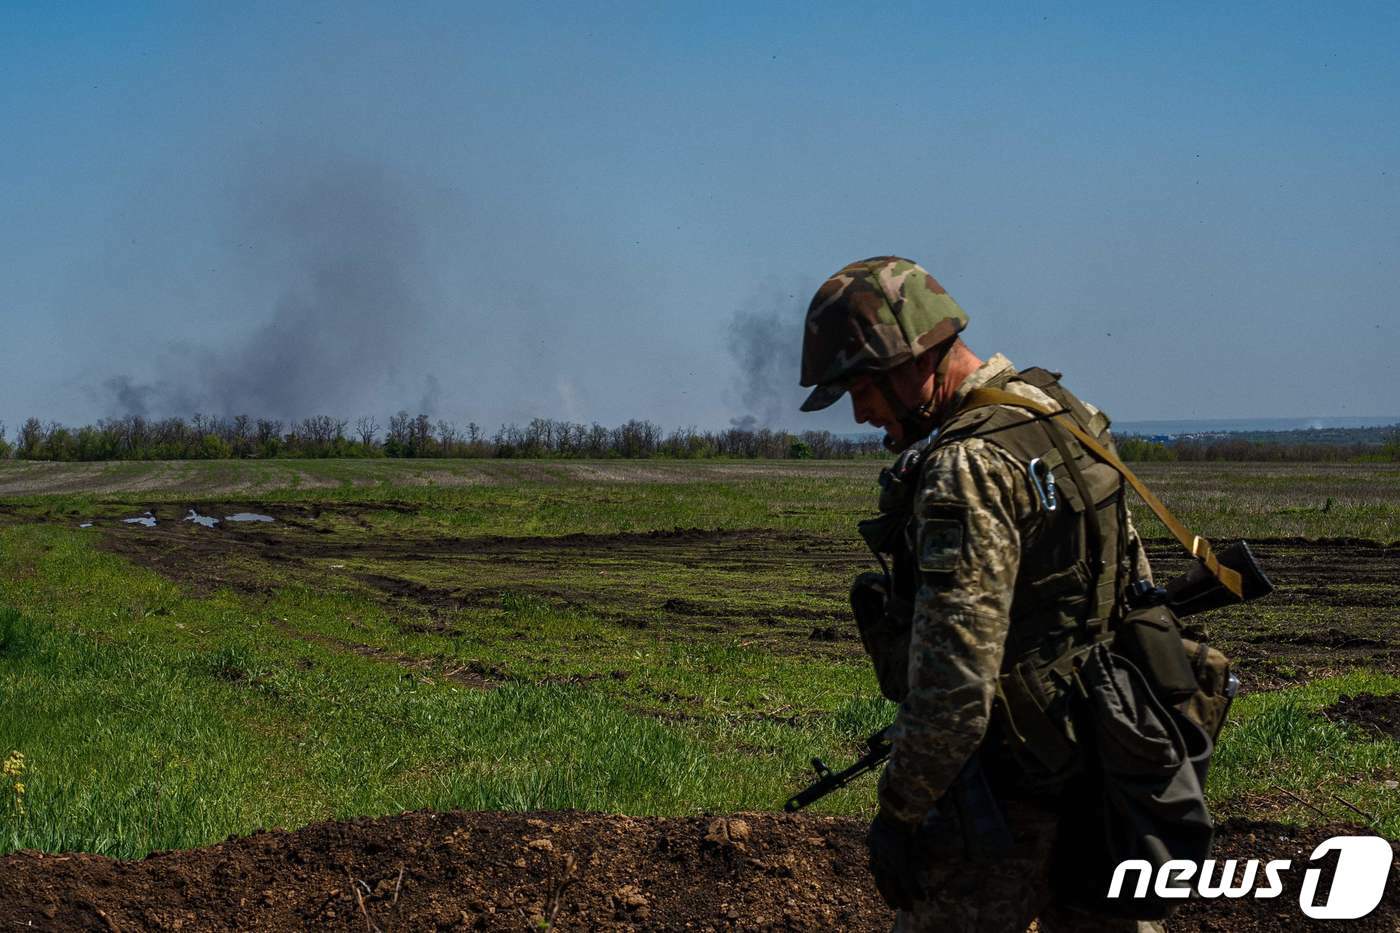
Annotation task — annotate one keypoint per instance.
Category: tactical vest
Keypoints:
(1074, 573)
(1073, 584)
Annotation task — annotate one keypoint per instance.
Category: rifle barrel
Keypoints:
(829, 781)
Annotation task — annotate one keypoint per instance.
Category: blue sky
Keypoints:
(500, 211)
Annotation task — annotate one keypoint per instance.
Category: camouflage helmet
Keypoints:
(870, 317)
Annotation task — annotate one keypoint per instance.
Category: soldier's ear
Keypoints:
(929, 360)
(938, 359)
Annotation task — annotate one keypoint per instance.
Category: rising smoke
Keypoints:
(341, 245)
(765, 341)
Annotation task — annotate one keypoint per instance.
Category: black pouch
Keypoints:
(1150, 638)
(884, 633)
(1142, 798)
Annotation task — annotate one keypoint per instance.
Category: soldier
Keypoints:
(1010, 549)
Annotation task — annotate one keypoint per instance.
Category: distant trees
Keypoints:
(421, 436)
(242, 441)
(1238, 449)
(1225, 448)
(31, 435)
(134, 437)
(1390, 447)
(1140, 448)
(366, 428)
(269, 437)
(204, 437)
(321, 436)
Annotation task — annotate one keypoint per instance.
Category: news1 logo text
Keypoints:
(1358, 881)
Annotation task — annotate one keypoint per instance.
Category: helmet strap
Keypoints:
(920, 422)
(917, 423)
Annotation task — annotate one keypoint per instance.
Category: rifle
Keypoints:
(974, 826)
(878, 749)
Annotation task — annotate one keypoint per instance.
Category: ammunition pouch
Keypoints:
(884, 632)
(1209, 706)
(1032, 717)
(1151, 639)
(1193, 677)
(1142, 795)
(1138, 763)
(1034, 701)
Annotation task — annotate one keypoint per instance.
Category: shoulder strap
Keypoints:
(1049, 383)
(1197, 546)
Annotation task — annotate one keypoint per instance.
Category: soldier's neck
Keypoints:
(942, 385)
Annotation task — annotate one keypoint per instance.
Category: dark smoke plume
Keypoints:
(431, 398)
(341, 243)
(745, 423)
(766, 344)
(130, 398)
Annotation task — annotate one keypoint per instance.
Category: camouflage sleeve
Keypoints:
(974, 507)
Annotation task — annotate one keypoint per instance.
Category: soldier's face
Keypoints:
(870, 405)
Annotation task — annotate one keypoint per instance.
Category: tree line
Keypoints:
(205, 437)
(1243, 449)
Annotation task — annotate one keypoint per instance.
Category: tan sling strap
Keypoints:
(1197, 546)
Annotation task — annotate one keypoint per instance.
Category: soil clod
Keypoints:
(1378, 715)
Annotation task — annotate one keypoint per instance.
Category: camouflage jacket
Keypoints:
(976, 515)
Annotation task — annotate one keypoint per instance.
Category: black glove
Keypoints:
(896, 861)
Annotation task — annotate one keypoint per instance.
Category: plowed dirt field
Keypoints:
(1334, 607)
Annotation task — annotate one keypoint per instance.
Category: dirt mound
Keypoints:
(504, 871)
(1377, 714)
(493, 871)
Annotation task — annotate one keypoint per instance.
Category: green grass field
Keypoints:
(417, 635)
